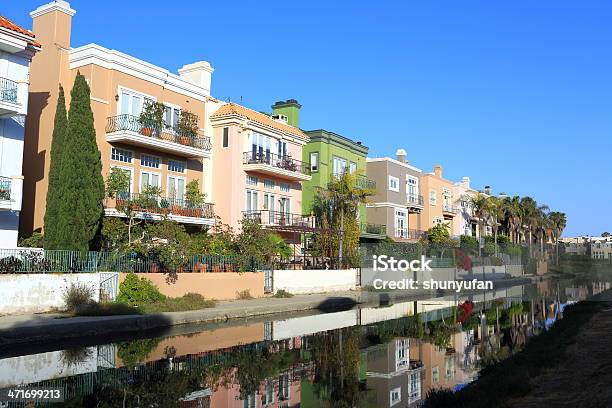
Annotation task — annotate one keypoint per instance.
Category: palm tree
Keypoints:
(512, 210)
(558, 222)
(529, 211)
(496, 213)
(480, 209)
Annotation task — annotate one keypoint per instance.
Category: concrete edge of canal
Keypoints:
(20, 330)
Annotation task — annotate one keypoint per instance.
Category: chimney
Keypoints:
(290, 108)
(466, 182)
(487, 190)
(52, 23)
(199, 73)
(401, 155)
(438, 170)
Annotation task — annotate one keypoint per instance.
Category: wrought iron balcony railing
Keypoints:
(281, 162)
(8, 90)
(406, 233)
(159, 205)
(280, 218)
(361, 181)
(5, 188)
(449, 208)
(172, 134)
(414, 199)
(374, 229)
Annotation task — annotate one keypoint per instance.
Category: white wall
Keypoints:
(301, 326)
(36, 293)
(45, 366)
(314, 281)
(16, 68)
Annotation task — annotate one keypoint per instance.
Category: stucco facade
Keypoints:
(121, 86)
(398, 201)
(438, 201)
(257, 170)
(465, 222)
(17, 47)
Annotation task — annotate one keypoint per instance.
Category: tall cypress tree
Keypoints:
(54, 195)
(80, 211)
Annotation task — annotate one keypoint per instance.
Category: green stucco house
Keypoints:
(330, 154)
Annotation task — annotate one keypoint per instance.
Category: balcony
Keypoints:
(282, 221)
(449, 211)
(373, 231)
(156, 208)
(414, 203)
(8, 97)
(5, 193)
(361, 181)
(130, 130)
(280, 166)
(408, 234)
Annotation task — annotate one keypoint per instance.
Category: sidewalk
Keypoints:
(37, 328)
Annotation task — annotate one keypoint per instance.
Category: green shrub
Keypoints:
(189, 301)
(282, 293)
(106, 309)
(77, 296)
(33, 241)
(469, 244)
(136, 351)
(136, 291)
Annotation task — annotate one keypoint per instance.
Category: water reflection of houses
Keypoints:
(394, 374)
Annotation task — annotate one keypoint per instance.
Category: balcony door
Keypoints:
(401, 224)
(284, 209)
(261, 147)
(339, 166)
(132, 102)
(412, 189)
(147, 179)
(252, 206)
(268, 204)
(176, 187)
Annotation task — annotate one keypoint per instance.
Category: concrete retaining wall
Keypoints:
(314, 281)
(40, 292)
(212, 285)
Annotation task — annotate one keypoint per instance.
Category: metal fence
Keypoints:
(8, 90)
(35, 260)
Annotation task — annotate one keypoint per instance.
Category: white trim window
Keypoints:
(412, 188)
(251, 201)
(438, 220)
(269, 184)
(251, 180)
(414, 388)
(339, 166)
(147, 160)
(225, 133)
(176, 166)
(121, 155)
(148, 178)
(435, 375)
(401, 353)
(284, 187)
(352, 167)
(433, 197)
(171, 116)
(394, 184)
(314, 161)
(132, 102)
(176, 187)
(395, 396)
(401, 223)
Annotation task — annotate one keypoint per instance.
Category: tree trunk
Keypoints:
(341, 236)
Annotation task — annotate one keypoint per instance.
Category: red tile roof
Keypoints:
(8, 24)
(261, 118)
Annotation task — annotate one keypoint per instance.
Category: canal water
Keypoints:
(391, 355)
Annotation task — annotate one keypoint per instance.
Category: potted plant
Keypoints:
(152, 118)
(193, 195)
(187, 128)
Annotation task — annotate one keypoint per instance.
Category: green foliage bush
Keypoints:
(282, 293)
(36, 240)
(77, 296)
(136, 291)
(469, 244)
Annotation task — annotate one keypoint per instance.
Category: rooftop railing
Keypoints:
(361, 181)
(285, 162)
(449, 208)
(172, 134)
(8, 90)
(406, 233)
(159, 205)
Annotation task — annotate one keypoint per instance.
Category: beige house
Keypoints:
(398, 202)
(160, 155)
(438, 207)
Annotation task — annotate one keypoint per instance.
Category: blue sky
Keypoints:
(515, 94)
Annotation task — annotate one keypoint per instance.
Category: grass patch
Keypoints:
(106, 309)
(510, 378)
(190, 301)
(282, 293)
